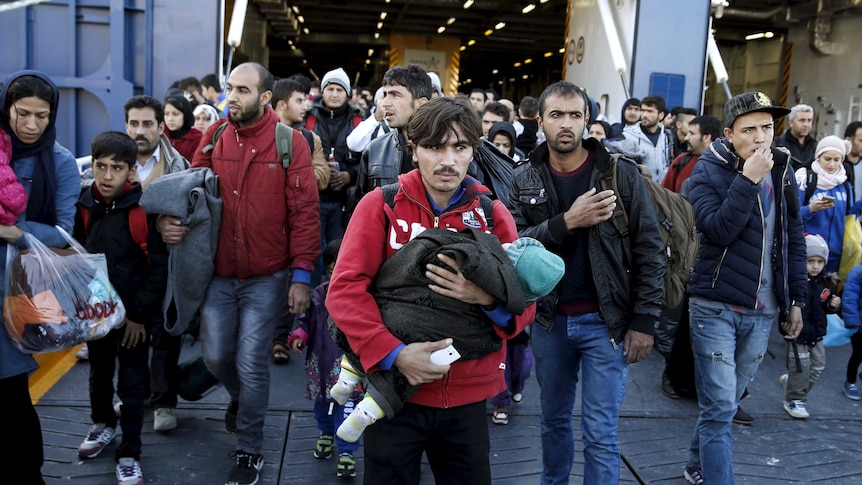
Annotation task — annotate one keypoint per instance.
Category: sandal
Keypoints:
(280, 352)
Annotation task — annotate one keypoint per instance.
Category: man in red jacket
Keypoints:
(270, 230)
(446, 418)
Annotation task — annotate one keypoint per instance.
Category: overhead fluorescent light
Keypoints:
(379, 25)
(450, 21)
(760, 35)
(489, 32)
(529, 8)
(549, 54)
(370, 52)
(468, 4)
(527, 61)
(471, 42)
(500, 25)
(441, 29)
(382, 15)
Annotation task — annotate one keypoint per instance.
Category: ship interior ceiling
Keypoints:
(504, 43)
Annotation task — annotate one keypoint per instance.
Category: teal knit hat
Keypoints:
(539, 270)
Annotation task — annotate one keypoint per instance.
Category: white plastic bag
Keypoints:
(58, 298)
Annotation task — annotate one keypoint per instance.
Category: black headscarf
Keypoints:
(41, 203)
(182, 104)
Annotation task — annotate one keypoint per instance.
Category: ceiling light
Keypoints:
(468, 4)
(562, 50)
(379, 25)
(471, 42)
(441, 29)
(549, 54)
(305, 31)
(368, 61)
(296, 10)
(382, 15)
(543, 1)
(450, 21)
(377, 35)
(525, 76)
(755, 36)
(462, 48)
(292, 47)
(469, 80)
(527, 61)
(301, 19)
(529, 8)
(489, 32)
(769, 35)
(495, 71)
(517, 64)
(500, 25)
(370, 52)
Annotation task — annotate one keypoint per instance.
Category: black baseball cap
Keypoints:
(752, 102)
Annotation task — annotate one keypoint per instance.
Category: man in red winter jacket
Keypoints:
(446, 418)
(270, 231)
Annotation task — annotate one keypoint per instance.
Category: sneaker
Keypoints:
(230, 417)
(851, 391)
(796, 409)
(501, 415)
(164, 419)
(667, 388)
(743, 418)
(693, 474)
(129, 472)
(247, 469)
(323, 448)
(783, 381)
(97, 439)
(83, 353)
(517, 397)
(346, 466)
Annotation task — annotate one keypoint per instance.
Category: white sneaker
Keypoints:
(164, 419)
(517, 397)
(83, 353)
(129, 472)
(796, 409)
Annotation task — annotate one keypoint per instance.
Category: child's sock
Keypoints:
(364, 415)
(348, 378)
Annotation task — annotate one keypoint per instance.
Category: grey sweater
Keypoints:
(192, 196)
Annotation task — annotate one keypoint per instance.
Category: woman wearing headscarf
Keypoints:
(48, 172)
(205, 115)
(179, 121)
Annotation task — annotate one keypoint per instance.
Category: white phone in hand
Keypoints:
(445, 356)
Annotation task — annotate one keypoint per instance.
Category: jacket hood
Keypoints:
(504, 126)
(722, 153)
(628, 103)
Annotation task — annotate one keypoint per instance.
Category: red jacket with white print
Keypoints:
(374, 234)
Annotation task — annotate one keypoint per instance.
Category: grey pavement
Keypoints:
(654, 434)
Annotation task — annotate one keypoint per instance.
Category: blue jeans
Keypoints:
(579, 342)
(728, 347)
(328, 423)
(237, 323)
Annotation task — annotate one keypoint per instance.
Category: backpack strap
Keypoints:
(389, 191)
(487, 204)
(216, 134)
(620, 218)
(139, 228)
(810, 184)
(309, 137)
(284, 143)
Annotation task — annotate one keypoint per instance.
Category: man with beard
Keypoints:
(269, 233)
(602, 315)
(652, 137)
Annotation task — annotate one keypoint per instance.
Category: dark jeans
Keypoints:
(454, 439)
(131, 388)
(163, 367)
(21, 449)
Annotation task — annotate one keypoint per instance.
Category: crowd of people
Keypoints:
(323, 189)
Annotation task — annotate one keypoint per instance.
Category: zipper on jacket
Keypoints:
(614, 344)
(762, 245)
(718, 268)
(435, 216)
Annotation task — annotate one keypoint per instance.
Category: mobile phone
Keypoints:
(445, 356)
(828, 198)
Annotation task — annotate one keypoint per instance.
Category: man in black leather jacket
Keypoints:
(602, 315)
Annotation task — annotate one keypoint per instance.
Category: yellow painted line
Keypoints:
(52, 367)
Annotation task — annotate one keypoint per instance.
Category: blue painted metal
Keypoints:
(670, 86)
(671, 46)
(101, 52)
